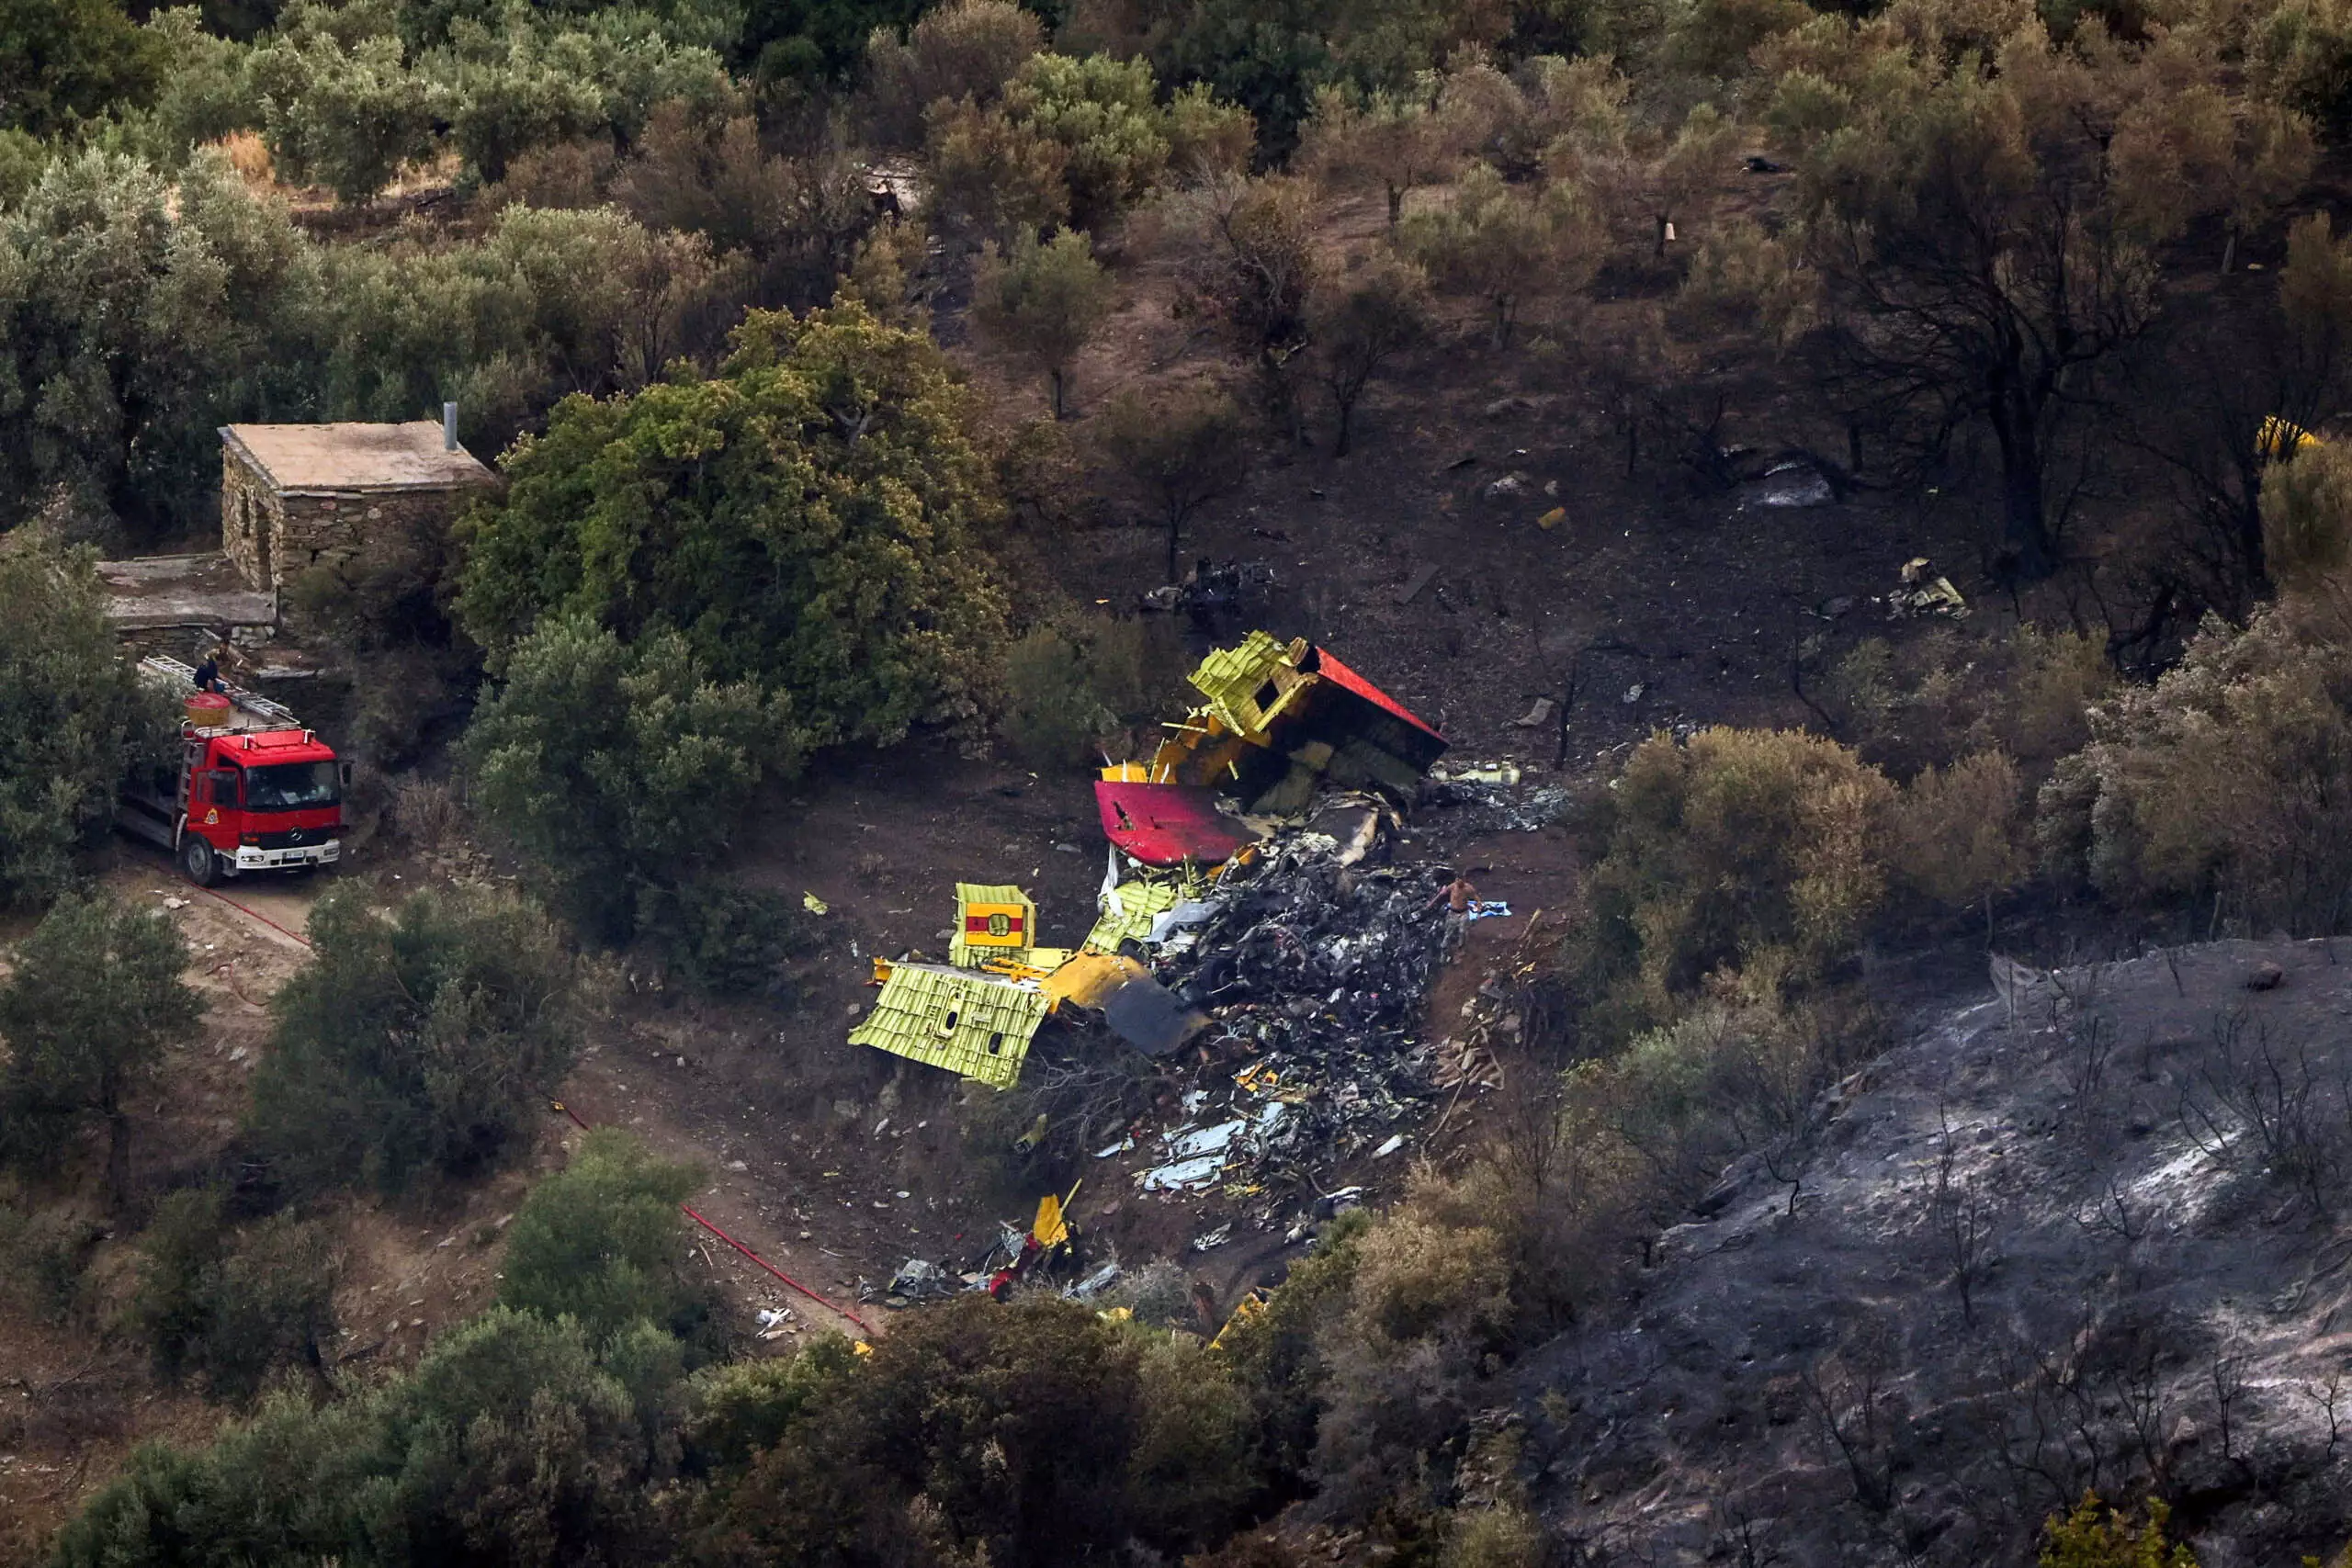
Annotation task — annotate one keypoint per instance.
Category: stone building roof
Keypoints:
(296, 458)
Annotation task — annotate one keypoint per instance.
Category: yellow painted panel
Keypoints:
(976, 1025)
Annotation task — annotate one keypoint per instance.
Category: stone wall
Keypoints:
(250, 521)
(317, 527)
(271, 537)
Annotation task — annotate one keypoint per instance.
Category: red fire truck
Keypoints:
(253, 791)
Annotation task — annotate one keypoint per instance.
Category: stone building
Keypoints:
(293, 493)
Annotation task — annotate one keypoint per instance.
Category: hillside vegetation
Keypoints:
(1894, 446)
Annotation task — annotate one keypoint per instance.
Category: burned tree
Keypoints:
(2232, 395)
(1982, 210)
(1359, 325)
(1182, 451)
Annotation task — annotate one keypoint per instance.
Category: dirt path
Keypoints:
(757, 1206)
(247, 938)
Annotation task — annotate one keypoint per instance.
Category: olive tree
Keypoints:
(72, 716)
(1043, 301)
(618, 768)
(95, 994)
(422, 1039)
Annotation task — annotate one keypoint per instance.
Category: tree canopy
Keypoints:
(424, 1039)
(810, 520)
(93, 998)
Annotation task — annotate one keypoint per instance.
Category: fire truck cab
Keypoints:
(254, 790)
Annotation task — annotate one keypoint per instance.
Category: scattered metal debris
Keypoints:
(1209, 588)
(1273, 953)
(1925, 592)
(1795, 483)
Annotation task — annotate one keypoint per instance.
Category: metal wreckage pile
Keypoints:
(1253, 935)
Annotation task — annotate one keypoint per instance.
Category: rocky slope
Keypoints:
(2089, 1234)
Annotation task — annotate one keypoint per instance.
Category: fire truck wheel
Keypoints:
(198, 861)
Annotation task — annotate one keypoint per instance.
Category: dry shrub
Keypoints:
(1259, 1549)
(1557, 1186)
(1572, 1178)
(1426, 1309)
(965, 49)
(1504, 1536)
(1417, 1278)
(1191, 1463)
(44, 1257)
(1247, 255)
(1076, 685)
(1043, 478)
(1958, 832)
(991, 178)
(249, 155)
(2222, 785)
(564, 175)
(2306, 507)
(1160, 1294)
(2056, 678)
(425, 813)
(1941, 697)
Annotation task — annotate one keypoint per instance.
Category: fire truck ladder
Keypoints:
(162, 669)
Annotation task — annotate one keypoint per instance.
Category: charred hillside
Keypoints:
(2086, 1234)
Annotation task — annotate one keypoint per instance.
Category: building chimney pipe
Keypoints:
(448, 427)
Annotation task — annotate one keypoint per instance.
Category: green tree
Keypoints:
(810, 521)
(1183, 450)
(137, 315)
(617, 768)
(600, 1242)
(509, 1444)
(64, 61)
(344, 115)
(1759, 851)
(72, 716)
(961, 1427)
(1104, 116)
(94, 996)
(1043, 301)
(805, 41)
(206, 95)
(1271, 56)
(2096, 1536)
(234, 1308)
(424, 1039)
(1500, 243)
(510, 89)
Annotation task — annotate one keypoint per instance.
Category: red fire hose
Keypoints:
(688, 1210)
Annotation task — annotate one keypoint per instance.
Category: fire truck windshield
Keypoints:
(290, 787)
